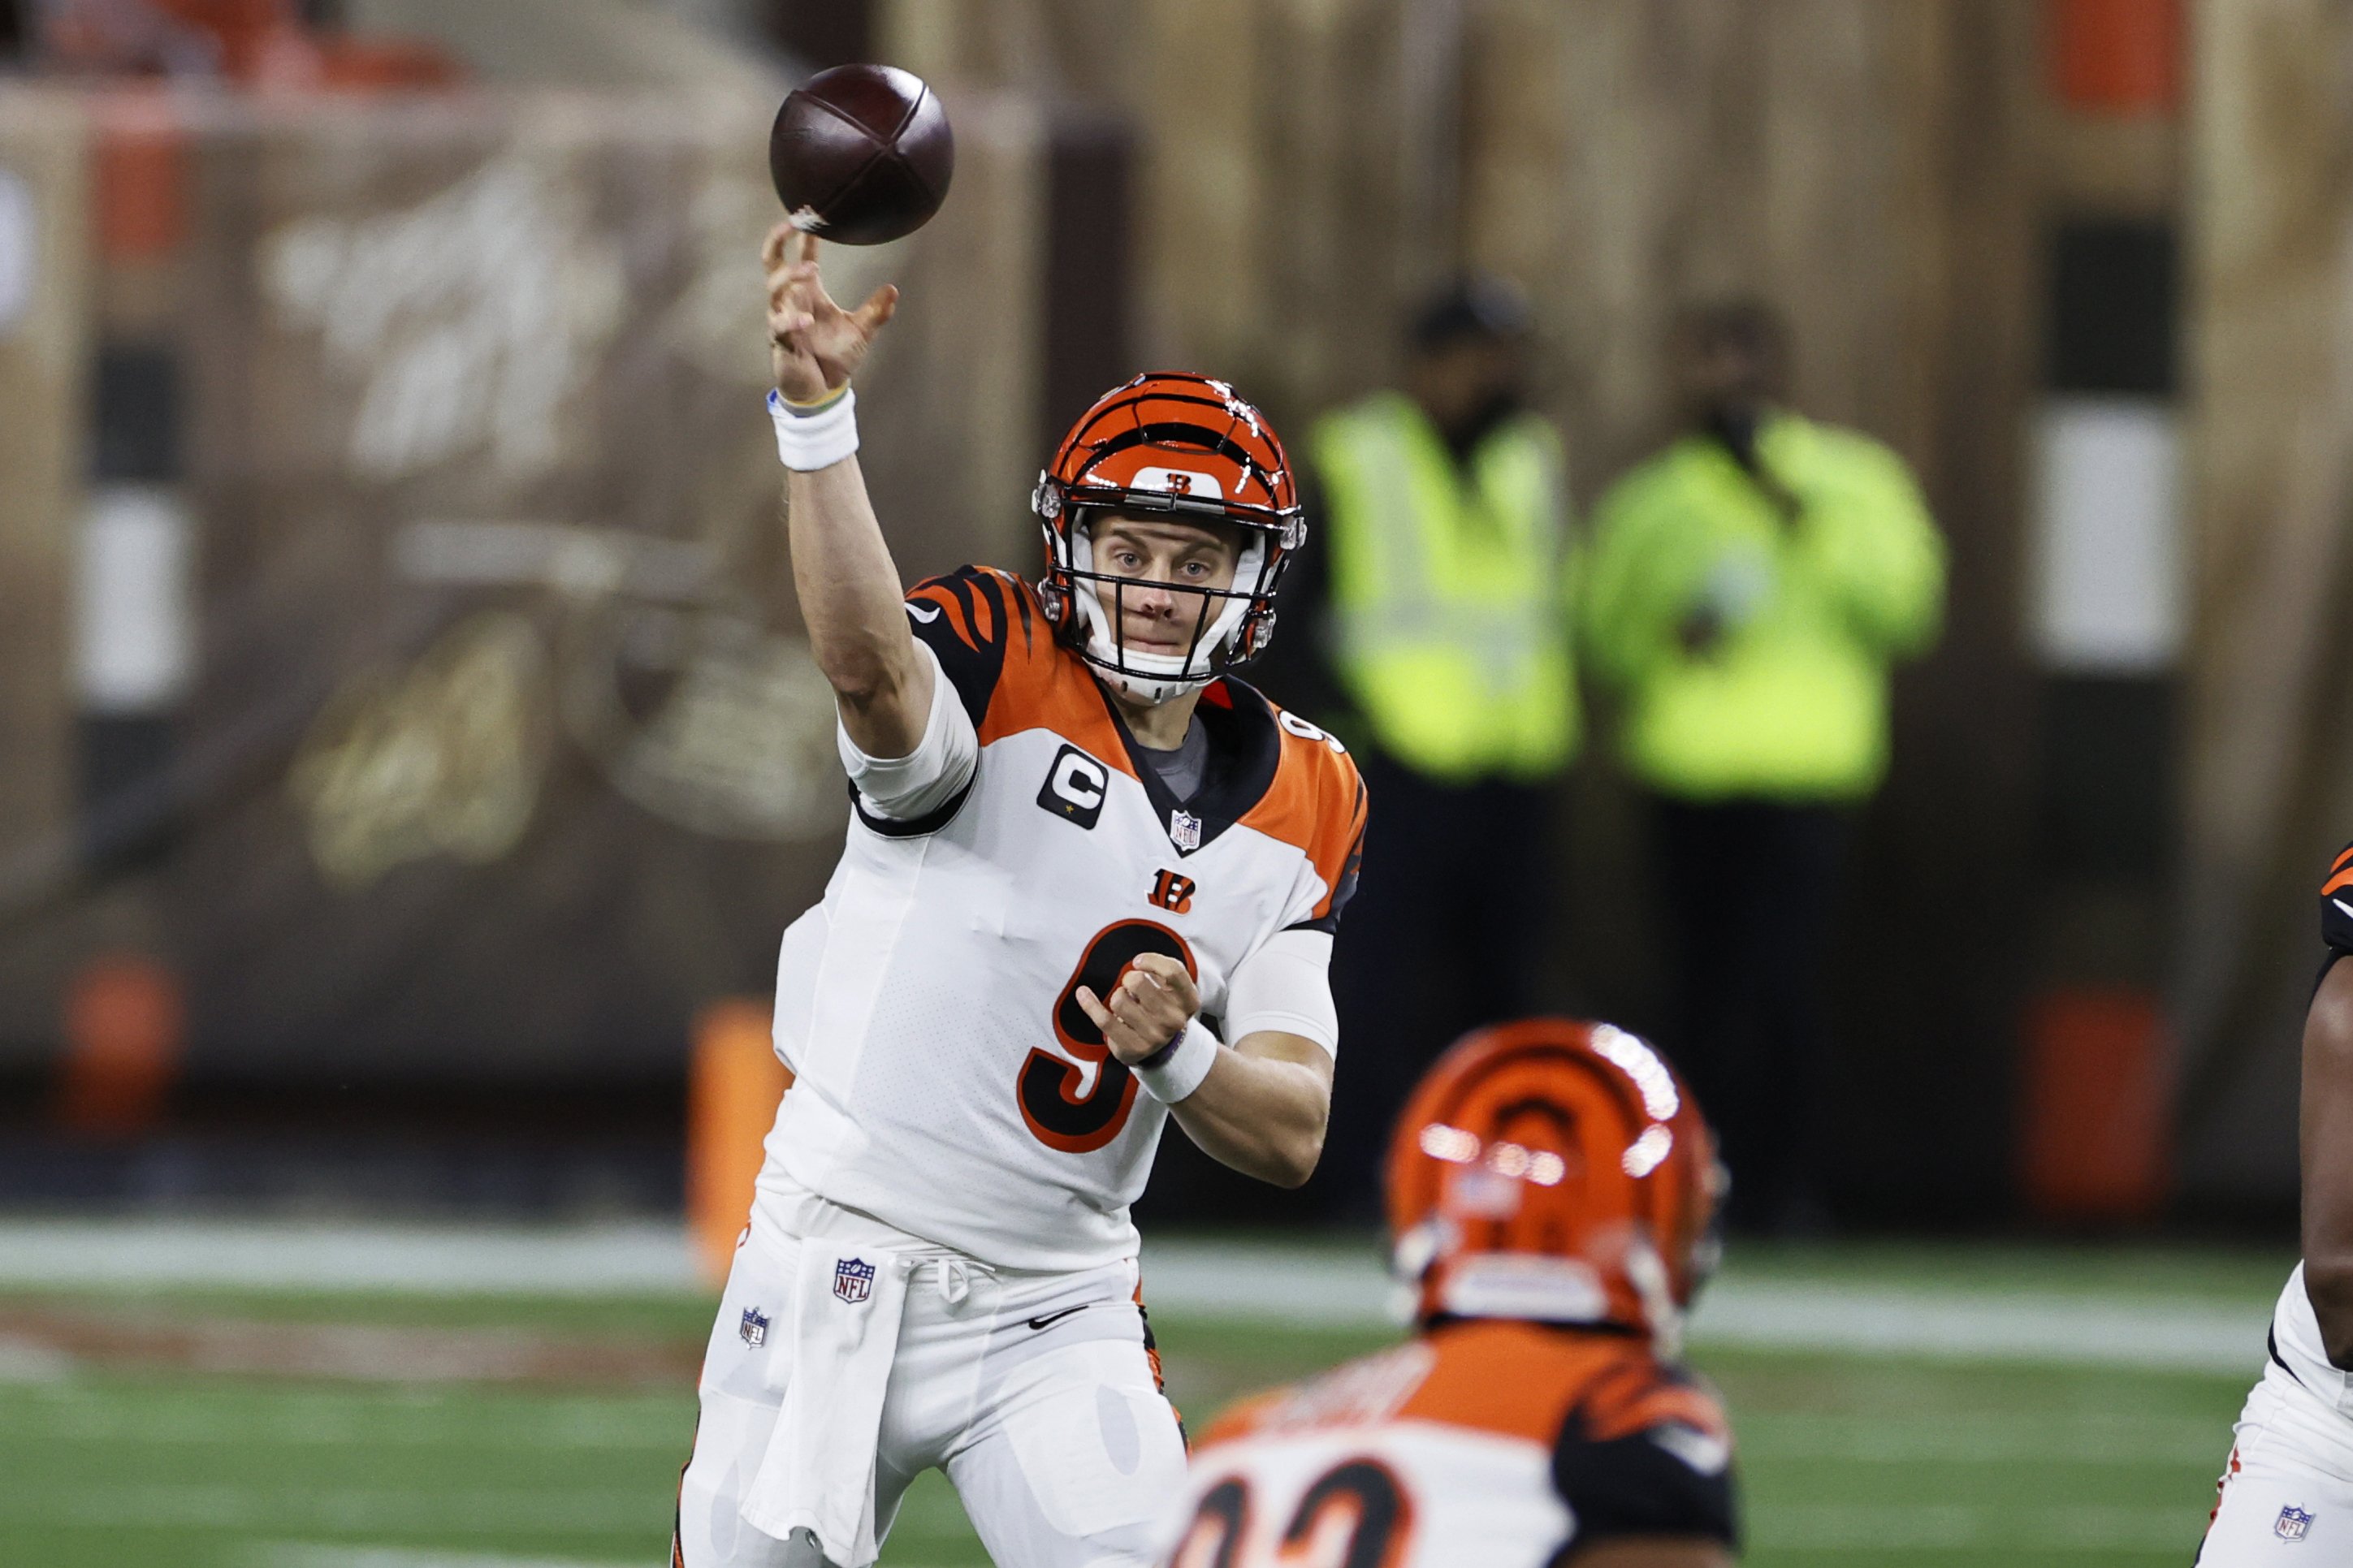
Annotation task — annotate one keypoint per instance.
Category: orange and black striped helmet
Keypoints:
(1187, 446)
(1556, 1171)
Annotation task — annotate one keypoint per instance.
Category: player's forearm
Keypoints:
(2327, 1140)
(1260, 1114)
(851, 603)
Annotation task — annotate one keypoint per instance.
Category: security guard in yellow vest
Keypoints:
(1749, 587)
(1439, 647)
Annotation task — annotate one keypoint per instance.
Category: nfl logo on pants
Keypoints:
(2292, 1523)
(853, 1279)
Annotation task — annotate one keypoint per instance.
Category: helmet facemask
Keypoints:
(1213, 643)
(1184, 448)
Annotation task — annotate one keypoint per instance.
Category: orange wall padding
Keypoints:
(141, 164)
(125, 1027)
(734, 1082)
(2116, 56)
(2096, 1119)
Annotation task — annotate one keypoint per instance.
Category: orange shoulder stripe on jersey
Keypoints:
(2338, 883)
(949, 599)
(1641, 1396)
(982, 622)
(1520, 1380)
(1043, 685)
(1317, 804)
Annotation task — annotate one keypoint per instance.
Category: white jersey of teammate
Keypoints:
(1499, 1442)
(2286, 1493)
(946, 1079)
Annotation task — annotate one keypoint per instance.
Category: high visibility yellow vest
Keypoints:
(1450, 591)
(1791, 702)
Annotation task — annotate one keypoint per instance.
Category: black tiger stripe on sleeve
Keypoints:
(2336, 908)
(967, 617)
(1670, 1482)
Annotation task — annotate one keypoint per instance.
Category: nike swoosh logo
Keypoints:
(1701, 1452)
(1050, 1319)
(926, 613)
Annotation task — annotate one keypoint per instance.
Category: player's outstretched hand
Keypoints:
(1149, 1007)
(814, 344)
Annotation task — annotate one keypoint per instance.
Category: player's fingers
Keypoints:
(880, 305)
(804, 246)
(1094, 1008)
(773, 249)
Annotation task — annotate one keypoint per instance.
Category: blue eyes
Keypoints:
(1126, 561)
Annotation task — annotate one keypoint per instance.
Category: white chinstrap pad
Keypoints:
(807, 440)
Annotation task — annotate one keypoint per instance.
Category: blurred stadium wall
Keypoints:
(495, 754)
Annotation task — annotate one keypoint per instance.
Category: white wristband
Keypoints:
(1177, 1070)
(819, 438)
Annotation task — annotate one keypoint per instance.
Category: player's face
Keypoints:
(1160, 607)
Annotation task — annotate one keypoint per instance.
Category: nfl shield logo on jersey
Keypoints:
(2292, 1523)
(1185, 830)
(755, 1327)
(853, 1279)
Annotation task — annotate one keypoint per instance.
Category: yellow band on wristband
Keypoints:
(832, 396)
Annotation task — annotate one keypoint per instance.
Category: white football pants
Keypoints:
(2287, 1496)
(1034, 1391)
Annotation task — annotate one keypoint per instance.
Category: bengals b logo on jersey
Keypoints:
(1173, 892)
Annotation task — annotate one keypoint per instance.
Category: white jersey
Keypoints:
(2286, 1496)
(947, 1080)
(1502, 1444)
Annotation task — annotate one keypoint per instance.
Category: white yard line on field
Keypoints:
(1255, 1282)
(1841, 1316)
(589, 1260)
(2145, 1333)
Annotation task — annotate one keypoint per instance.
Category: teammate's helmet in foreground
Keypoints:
(1557, 1171)
(1187, 446)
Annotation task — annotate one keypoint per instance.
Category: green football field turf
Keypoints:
(143, 1451)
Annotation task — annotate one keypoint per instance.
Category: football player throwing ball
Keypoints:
(1552, 1192)
(1091, 885)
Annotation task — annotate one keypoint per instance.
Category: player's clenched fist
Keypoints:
(1150, 1007)
(814, 344)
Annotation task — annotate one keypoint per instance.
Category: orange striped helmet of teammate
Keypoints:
(1557, 1171)
(1184, 445)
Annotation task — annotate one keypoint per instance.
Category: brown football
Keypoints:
(862, 154)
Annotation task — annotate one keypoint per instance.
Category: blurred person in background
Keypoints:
(1432, 635)
(2287, 1488)
(1551, 1195)
(1747, 591)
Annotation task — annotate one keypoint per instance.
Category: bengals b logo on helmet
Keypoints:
(1556, 1171)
